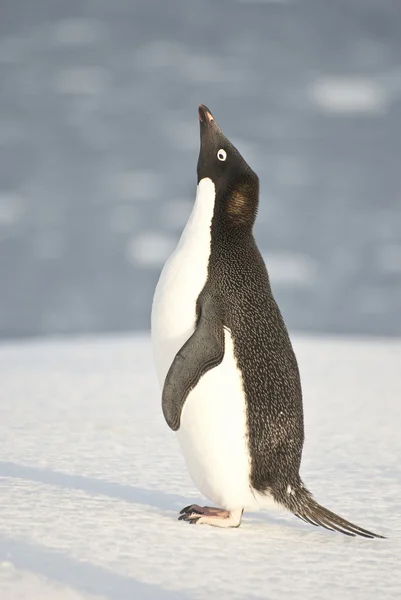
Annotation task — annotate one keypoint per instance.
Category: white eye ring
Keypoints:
(222, 154)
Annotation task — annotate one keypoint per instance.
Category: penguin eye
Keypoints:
(222, 154)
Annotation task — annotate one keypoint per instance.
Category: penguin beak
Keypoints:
(211, 138)
(209, 129)
(206, 119)
(205, 116)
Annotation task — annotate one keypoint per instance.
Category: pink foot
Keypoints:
(207, 515)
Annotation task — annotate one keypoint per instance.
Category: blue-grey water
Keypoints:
(99, 142)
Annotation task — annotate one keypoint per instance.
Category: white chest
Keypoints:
(181, 281)
(213, 431)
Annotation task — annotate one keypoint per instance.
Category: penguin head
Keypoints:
(236, 185)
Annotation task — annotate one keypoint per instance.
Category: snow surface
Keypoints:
(92, 481)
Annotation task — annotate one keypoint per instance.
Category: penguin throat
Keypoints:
(196, 237)
(241, 206)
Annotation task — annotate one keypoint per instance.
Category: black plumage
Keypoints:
(238, 296)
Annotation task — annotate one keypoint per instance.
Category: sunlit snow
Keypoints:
(92, 481)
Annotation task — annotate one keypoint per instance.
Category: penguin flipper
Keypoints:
(200, 353)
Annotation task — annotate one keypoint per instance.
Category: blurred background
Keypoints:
(99, 143)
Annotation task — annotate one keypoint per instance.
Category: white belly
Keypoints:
(213, 430)
(213, 435)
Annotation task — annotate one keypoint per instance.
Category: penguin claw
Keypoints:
(194, 514)
(191, 517)
(191, 508)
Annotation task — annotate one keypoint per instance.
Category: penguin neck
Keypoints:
(220, 217)
(196, 237)
(234, 213)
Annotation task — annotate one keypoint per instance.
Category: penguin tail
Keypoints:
(302, 504)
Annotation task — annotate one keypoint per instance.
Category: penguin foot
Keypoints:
(208, 515)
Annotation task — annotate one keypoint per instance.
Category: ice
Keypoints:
(159, 54)
(390, 258)
(266, 1)
(150, 248)
(91, 481)
(290, 268)
(75, 32)
(11, 208)
(49, 245)
(81, 80)
(349, 95)
(175, 213)
(133, 185)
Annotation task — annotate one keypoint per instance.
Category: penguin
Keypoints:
(230, 382)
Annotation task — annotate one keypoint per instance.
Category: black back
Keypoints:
(238, 279)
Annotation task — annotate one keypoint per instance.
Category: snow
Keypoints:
(91, 481)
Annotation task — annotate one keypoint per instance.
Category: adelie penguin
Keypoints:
(230, 380)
